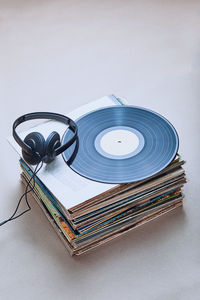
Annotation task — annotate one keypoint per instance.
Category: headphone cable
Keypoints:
(13, 217)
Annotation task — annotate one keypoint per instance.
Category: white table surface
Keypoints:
(57, 55)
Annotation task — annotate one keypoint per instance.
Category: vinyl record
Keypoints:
(122, 144)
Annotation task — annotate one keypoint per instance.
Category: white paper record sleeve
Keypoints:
(68, 187)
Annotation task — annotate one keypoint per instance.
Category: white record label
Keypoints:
(119, 142)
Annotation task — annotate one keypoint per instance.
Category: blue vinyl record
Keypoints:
(121, 144)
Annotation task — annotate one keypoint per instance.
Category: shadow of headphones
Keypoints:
(34, 147)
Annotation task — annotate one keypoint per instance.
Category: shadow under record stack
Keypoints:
(87, 213)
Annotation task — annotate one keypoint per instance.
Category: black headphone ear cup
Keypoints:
(36, 141)
(52, 143)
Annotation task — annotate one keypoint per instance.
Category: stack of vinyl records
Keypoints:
(126, 172)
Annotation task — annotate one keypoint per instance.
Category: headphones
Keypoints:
(34, 147)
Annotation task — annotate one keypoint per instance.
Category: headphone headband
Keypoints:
(45, 115)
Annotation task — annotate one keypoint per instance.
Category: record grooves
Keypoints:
(122, 144)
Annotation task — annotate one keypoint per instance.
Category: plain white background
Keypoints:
(57, 55)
